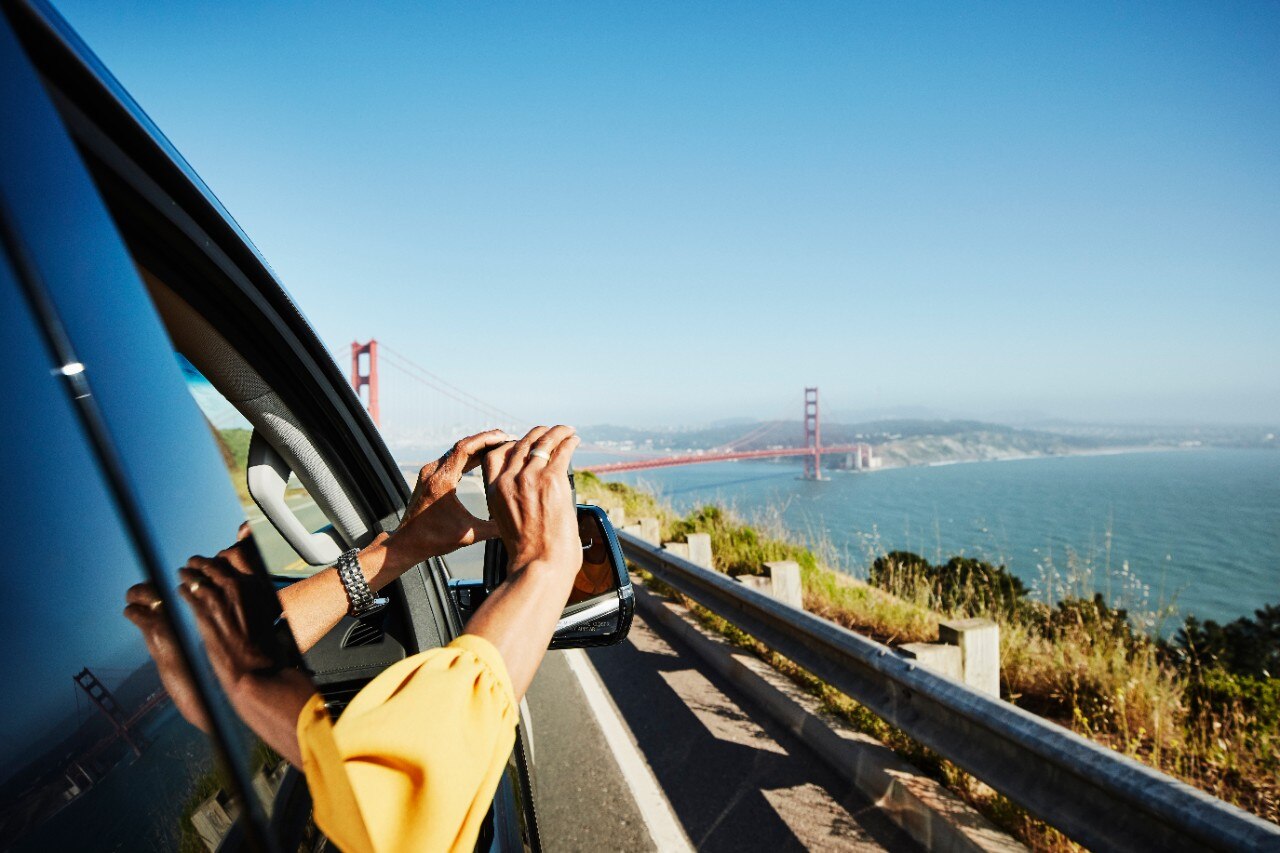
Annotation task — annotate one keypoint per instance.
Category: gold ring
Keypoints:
(541, 454)
(156, 605)
(193, 586)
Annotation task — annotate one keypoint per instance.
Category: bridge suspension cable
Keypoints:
(756, 434)
(420, 374)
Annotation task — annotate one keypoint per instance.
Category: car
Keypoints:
(153, 352)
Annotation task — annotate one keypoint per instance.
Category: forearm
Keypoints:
(519, 617)
(270, 705)
(315, 604)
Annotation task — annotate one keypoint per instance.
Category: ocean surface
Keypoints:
(1195, 531)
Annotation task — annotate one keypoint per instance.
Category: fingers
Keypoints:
(236, 556)
(143, 601)
(495, 461)
(201, 593)
(210, 570)
(142, 593)
(509, 458)
(519, 453)
(465, 455)
(548, 444)
(562, 456)
(194, 583)
(139, 614)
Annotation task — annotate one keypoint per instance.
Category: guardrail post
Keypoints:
(979, 642)
(935, 657)
(646, 528)
(617, 517)
(783, 583)
(700, 549)
(680, 549)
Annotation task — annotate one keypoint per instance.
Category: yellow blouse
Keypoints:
(413, 762)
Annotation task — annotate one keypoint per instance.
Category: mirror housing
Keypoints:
(602, 603)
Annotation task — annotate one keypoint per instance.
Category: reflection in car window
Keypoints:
(94, 754)
(233, 433)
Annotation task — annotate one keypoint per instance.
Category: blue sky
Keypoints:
(669, 213)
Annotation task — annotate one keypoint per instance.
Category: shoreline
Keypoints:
(1105, 451)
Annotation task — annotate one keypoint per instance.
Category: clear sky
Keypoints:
(668, 213)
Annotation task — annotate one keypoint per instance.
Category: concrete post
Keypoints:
(213, 819)
(618, 517)
(979, 643)
(680, 549)
(786, 582)
(944, 660)
(649, 530)
(700, 549)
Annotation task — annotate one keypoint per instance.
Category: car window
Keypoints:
(232, 431)
(93, 746)
(112, 481)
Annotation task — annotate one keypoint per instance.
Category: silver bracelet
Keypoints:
(359, 595)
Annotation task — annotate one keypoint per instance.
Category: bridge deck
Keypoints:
(716, 456)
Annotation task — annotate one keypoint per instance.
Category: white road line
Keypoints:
(664, 827)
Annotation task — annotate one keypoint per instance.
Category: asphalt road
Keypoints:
(734, 779)
(638, 742)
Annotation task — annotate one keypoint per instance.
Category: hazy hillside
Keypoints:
(922, 442)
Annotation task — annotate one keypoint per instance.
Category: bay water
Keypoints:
(1188, 531)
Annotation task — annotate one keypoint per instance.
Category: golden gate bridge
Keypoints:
(457, 412)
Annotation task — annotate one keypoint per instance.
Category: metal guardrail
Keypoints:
(1094, 795)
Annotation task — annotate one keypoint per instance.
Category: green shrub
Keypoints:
(960, 585)
(1245, 646)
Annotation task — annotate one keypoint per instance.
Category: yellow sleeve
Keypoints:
(414, 761)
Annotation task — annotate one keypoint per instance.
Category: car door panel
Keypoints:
(71, 243)
(148, 438)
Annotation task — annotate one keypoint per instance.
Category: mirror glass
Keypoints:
(599, 608)
(597, 575)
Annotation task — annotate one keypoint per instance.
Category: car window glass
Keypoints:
(94, 754)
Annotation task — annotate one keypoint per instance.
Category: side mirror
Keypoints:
(601, 603)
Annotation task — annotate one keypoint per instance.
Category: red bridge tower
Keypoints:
(812, 435)
(368, 377)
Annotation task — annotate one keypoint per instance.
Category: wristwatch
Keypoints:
(360, 596)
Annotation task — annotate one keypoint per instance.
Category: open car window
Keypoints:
(233, 433)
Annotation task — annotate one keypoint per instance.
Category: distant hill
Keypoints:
(911, 441)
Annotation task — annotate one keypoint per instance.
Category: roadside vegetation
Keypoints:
(1202, 705)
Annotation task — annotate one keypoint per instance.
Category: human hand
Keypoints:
(234, 609)
(530, 500)
(145, 610)
(233, 620)
(435, 522)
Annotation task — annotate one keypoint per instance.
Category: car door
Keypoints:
(151, 212)
(102, 493)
